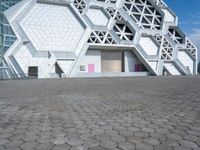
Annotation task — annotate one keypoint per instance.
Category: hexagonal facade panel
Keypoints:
(92, 38)
(52, 28)
(97, 17)
(149, 46)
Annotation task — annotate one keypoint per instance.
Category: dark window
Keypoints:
(33, 71)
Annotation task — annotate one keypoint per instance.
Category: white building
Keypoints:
(90, 38)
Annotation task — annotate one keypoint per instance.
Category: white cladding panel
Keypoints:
(65, 65)
(154, 65)
(97, 17)
(23, 56)
(91, 57)
(168, 16)
(25, 59)
(148, 46)
(130, 60)
(172, 69)
(52, 28)
(186, 60)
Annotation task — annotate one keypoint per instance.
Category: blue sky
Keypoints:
(188, 12)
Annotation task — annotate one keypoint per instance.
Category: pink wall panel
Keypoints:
(91, 68)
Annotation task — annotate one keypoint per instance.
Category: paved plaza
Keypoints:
(141, 113)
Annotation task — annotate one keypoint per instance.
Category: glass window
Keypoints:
(1, 29)
(7, 37)
(1, 39)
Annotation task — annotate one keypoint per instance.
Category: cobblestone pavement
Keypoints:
(142, 113)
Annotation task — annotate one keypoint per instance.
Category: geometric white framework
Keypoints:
(160, 3)
(80, 5)
(191, 48)
(165, 47)
(108, 1)
(143, 13)
(68, 38)
(114, 14)
(123, 31)
(101, 37)
(175, 35)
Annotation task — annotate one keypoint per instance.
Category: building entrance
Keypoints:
(111, 61)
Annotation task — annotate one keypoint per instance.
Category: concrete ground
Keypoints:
(142, 113)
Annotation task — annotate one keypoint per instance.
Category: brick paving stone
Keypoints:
(126, 133)
(151, 141)
(74, 142)
(112, 133)
(5, 135)
(91, 143)
(15, 148)
(59, 140)
(135, 139)
(181, 148)
(97, 148)
(61, 147)
(191, 138)
(134, 129)
(170, 142)
(14, 143)
(2, 147)
(149, 130)
(30, 138)
(142, 134)
(97, 131)
(188, 144)
(144, 146)
(29, 145)
(174, 136)
(126, 146)
(17, 136)
(101, 114)
(44, 146)
(102, 137)
(196, 128)
(162, 131)
(78, 148)
(118, 138)
(159, 136)
(163, 147)
(3, 141)
(194, 132)
(108, 144)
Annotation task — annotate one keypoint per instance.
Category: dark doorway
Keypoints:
(58, 70)
(33, 71)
